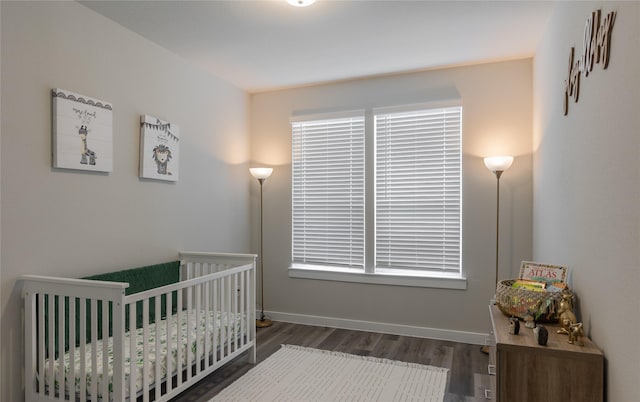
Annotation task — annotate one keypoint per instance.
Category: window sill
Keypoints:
(424, 281)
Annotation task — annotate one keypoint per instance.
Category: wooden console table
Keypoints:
(523, 371)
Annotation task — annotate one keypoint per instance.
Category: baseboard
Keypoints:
(473, 338)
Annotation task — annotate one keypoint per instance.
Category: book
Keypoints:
(556, 287)
(549, 274)
(529, 285)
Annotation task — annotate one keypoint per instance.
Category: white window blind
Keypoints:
(417, 188)
(328, 192)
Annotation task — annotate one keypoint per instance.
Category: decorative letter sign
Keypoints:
(595, 49)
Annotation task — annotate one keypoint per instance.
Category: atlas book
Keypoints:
(551, 275)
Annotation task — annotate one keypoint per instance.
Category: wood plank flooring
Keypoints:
(467, 365)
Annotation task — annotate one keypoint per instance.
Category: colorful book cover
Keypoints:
(529, 285)
(549, 274)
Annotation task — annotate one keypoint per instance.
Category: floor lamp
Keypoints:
(498, 164)
(261, 174)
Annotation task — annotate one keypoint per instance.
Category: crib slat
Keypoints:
(230, 293)
(52, 356)
(198, 327)
(252, 312)
(242, 310)
(207, 324)
(158, 359)
(235, 312)
(145, 350)
(104, 391)
(118, 361)
(216, 320)
(41, 346)
(179, 338)
(133, 367)
(83, 349)
(189, 340)
(105, 350)
(223, 305)
(169, 343)
(60, 335)
(94, 349)
(72, 347)
(30, 332)
(247, 317)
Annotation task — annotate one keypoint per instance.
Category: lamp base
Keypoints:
(263, 323)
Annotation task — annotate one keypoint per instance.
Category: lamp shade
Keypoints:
(261, 172)
(498, 163)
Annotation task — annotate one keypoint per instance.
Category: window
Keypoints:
(414, 211)
(417, 194)
(328, 192)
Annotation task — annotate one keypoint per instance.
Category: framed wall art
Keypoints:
(159, 149)
(82, 132)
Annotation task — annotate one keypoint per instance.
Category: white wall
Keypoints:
(74, 224)
(587, 182)
(497, 119)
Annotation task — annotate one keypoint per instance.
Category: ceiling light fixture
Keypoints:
(301, 3)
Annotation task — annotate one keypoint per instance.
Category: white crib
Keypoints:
(212, 322)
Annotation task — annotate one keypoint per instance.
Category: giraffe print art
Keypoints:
(81, 125)
(86, 153)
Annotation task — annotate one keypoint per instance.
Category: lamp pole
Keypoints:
(261, 174)
(498, 174)
(498, 164)
(262, 318)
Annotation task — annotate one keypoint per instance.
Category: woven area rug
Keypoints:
(296, 373)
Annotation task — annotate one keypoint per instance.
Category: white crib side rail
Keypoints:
(111, 291)
(53, 307)
(194, 264)
(211, 322)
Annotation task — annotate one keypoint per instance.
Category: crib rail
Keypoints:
(86, 341)
(196, 264)
(54, 311)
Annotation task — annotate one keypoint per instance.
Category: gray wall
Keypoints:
(66, 223)
(497, 104)
(586, 182)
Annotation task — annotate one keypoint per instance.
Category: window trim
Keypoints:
(379, 278)
(371, 275)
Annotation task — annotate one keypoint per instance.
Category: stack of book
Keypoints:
(541, 277)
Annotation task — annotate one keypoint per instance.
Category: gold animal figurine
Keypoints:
(566, 315)
(576, 333)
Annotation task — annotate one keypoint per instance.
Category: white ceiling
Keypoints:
(268, 44)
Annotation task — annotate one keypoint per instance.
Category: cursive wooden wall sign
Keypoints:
(595, 50)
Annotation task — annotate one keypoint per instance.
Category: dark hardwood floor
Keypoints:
(467, 364)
